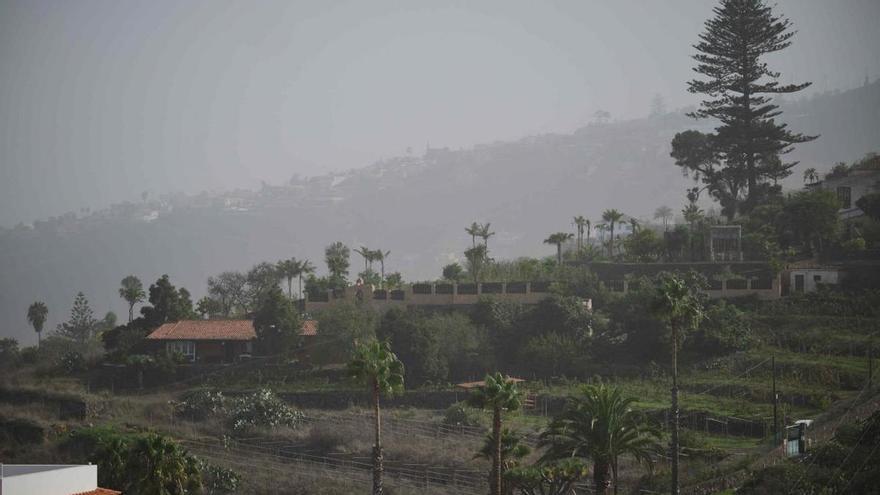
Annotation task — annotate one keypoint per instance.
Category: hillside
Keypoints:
(414, 206)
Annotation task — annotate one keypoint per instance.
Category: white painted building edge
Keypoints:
(48, 480)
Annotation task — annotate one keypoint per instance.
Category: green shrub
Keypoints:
(200, 404)
(218, 480)
(459, 414)
(262, 409)
(71, 362)
(19, 431)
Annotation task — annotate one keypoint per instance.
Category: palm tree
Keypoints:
(692, 215)
(36, 315)
(558, 239)
(485, 233)
(580, 222)
(132, 290)
(600, 425)
(512, 451)
(677, 304)
(378, 368)
(611, 216)
(163, 467)
(663, 213)
(366, 254)
(810, 176)
(474, 230)
(336, 256)
(380, 257)
(498, 394)
(289, 269)
(305, 268)
(476, 257)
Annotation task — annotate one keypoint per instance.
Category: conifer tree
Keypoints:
(740, 162)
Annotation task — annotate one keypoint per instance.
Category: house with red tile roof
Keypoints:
(213, 341)
(207, 341)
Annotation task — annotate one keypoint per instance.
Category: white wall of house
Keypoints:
(48, 479)
(856, 184)
(812, 277)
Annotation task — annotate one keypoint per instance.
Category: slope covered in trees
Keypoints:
(413, 206)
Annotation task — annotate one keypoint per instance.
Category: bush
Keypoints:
(71, 362)
(459, 414)
(262, 409)
(218, 480)
(20, 431)
(200, 404)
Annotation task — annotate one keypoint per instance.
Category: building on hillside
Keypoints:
(214, 341)
(436, 295)
(725, 243)
(809, 276)
(57, 479)
(207, 341)
(809, 279)
(849, 188)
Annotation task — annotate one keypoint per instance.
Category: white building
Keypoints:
(850, 187)
(57, 479)
(808, 279)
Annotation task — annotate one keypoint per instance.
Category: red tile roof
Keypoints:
(309, 328)
(205, 330)
(99, 491)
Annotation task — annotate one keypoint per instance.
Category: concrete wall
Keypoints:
(48, 480)
(430, 295)
(728, 288)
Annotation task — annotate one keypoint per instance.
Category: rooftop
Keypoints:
(205, 330)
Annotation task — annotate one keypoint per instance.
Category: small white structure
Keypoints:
(805, 280)
(57, 479)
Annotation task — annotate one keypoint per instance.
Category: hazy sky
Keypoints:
(101, 100)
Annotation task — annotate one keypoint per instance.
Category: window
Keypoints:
(817, 278)
(185, 347)
(844, 195)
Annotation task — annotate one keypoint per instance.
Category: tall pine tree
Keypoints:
(81, 325)
(739, 163)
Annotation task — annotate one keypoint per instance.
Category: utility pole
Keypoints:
(775, 401)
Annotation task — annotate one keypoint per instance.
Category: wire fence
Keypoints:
(353, 468)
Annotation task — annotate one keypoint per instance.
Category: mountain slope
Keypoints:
(417, 207)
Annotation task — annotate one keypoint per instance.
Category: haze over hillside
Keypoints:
(416, 206)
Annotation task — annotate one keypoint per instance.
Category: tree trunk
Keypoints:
(495, 484)
(130, 312)
(600, 478)
(377, 447)
(289, 289)
(614, 474)
(382, 267)
(675, 411)
(611, 242)
(301, 287)
(559, 254)
(39, 340)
